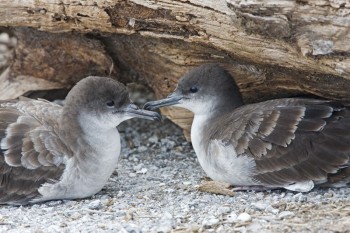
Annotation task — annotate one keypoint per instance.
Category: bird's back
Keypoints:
(291, 141)
(31, 153)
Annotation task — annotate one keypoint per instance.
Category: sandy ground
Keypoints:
(155, 189)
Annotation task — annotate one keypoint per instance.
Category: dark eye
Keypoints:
(110, 103)
(194, 89)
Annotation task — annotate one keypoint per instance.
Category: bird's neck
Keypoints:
(218, 108)
(227, 103)
(82, 130)
(203, 121)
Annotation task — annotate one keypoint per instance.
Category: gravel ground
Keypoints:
(155, 189)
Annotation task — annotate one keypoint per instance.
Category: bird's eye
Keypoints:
(194, 89)
(110, 103)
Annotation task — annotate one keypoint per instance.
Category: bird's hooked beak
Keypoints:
(133, 111)
(172, 99)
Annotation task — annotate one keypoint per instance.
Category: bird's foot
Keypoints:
(216, 187)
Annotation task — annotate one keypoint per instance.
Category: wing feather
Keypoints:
(29, 156)
(291, 140)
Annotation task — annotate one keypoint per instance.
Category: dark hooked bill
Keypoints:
(134, 111)
(170, 100)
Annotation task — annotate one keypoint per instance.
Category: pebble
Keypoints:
(187, 183)
(166, 144)
(132, 174)
(95, 205)
(210, 222)
(132, 228)
(272, 210)
(165, 223)
(285, 214)
(4, 37)
(223, 210)
(142, 171)
(169, 190)
(299, 197)
(244, 217)
(232, 217)
(154, 139)
(259, 206)
(142, 149)
(3, 49)
(138, 167)
(328, 195)
(120, 194)
(75, 216)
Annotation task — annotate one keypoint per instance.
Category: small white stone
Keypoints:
(4, 37)
(187, 183)
(232, 217)
(142, 148)
(132, 22)
(244, 217)
(85, 218)
(3, 48)
(142, 171)
(95, 205)
(259, 206)
(328, 195)
(138, 167)
(154, 139)
(75, 216)
(169, 190)
(285, 214)
(167, 144)
(272, 210)
(167, 215)
(223, 210)
(132, 175)
(210, 221)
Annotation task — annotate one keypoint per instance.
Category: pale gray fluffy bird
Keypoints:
(50, 152)
(292, 143)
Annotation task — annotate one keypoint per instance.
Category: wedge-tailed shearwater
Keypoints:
(292, 143)
(49, 152)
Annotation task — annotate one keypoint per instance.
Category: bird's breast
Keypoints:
(219, 160)
(88, 171)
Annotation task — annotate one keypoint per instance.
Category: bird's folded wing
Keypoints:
(291, 140)
(31, 154)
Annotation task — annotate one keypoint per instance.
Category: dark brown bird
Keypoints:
(51, 152)
(284, 143)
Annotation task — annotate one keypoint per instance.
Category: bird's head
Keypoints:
(104, 100)
(202, 90)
